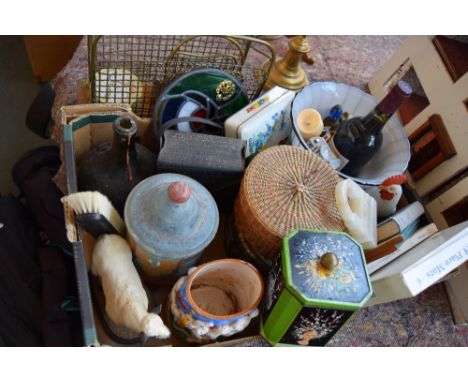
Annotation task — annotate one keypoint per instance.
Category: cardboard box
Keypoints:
(84, 127)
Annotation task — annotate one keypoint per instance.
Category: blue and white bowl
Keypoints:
(394, 155)
(218, 298)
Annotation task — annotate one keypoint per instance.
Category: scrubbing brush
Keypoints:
(95, 213)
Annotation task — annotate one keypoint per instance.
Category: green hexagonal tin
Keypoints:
(313, 287)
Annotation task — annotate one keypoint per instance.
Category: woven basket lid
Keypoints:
(285, 188)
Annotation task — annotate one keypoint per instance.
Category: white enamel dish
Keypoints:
(394, 155)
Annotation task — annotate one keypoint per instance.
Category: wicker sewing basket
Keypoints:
(284, 188)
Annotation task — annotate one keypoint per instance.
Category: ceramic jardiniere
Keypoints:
(316, 284)
(218, 298)
(170, 219)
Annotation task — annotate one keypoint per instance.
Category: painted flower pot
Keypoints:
(170, 219)
(316, 284)
(218, 298)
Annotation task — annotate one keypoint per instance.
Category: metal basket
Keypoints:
(136, 69)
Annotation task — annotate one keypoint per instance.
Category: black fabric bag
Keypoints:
(34, 282)
(60, 327)
(37, 272)
(33, 175)
(20, 276)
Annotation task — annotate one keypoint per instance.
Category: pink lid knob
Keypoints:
(179, 192)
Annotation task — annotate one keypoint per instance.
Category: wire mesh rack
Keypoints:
(136, 69)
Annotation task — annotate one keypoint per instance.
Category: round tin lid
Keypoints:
(326, 269)
(171, 214)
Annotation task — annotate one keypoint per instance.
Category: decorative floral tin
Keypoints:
(218, 298)
(263, 123)
(170, 219)
(316, 284)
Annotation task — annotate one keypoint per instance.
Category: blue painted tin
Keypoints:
(170, 219)
(314, 286)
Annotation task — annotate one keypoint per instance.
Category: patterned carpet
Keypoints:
(422, 321)
(425, 320)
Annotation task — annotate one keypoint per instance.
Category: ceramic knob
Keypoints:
(179, 192)
(329, 261)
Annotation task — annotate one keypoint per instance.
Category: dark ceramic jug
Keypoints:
(115, 167)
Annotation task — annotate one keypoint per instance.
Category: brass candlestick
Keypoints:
(287, 71)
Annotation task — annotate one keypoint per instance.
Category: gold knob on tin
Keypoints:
(328, 261)
(225, 90)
